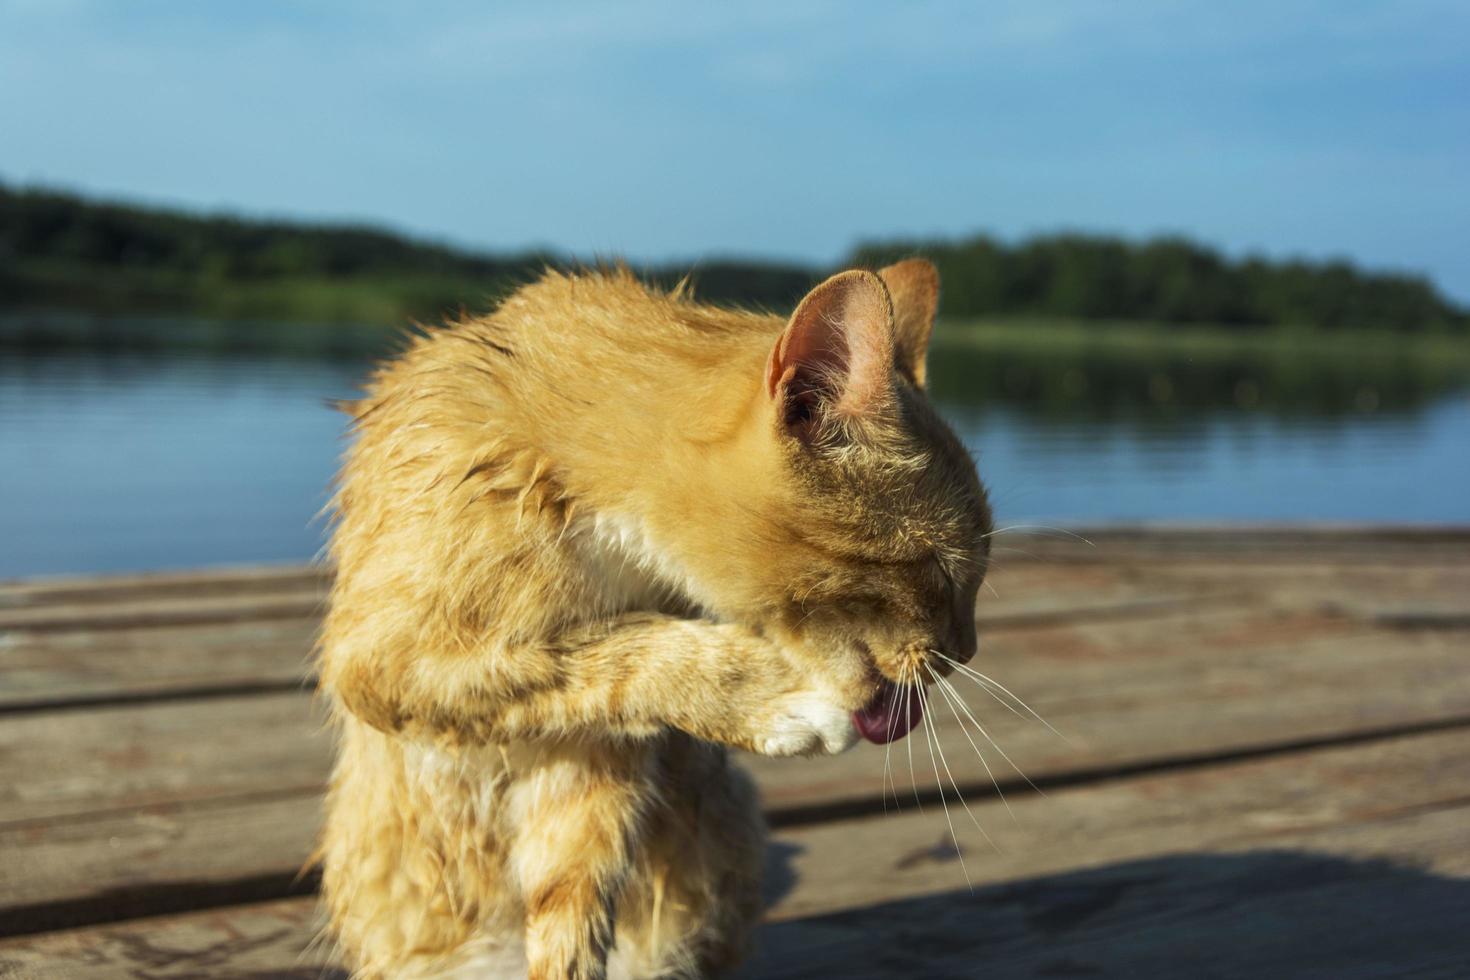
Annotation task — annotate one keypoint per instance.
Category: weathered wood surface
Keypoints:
(144, 783)
(1273, 717)
(1226, 849)
(73, 641)
(143, 635)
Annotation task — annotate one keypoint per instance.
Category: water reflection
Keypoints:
(1077, 435)
(150, 458)
(1107, 384)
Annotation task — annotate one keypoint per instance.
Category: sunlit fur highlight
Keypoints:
(580, 552)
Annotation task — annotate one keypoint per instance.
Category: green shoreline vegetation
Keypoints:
(64, 253)
(1201, 341)
(1073, 370)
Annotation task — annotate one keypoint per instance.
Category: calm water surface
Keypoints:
(113, 461)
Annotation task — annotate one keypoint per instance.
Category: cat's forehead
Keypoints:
(937, 509)
(941, 505)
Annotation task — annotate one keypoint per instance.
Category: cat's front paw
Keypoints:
(809, 724)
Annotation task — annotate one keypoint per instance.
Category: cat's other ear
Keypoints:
(914, 286)
(836, 354)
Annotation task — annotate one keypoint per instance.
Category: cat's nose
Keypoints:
(965, 642)
(956, 647)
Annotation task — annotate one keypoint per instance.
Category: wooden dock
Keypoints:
(1266, 773)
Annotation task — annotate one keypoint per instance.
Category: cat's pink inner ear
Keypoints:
(839, 342)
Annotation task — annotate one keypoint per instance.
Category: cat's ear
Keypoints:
(836, 353)
(914, 286)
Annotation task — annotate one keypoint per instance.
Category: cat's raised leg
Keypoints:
(576, 818)
(632, 677)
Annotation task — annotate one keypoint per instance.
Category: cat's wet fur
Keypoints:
(584, 545)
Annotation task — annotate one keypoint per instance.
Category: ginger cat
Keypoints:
(584, 545)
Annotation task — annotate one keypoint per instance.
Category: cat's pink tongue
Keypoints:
(892, 713)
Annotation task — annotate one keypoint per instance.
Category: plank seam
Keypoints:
(145, 901)
(99, 624)
(196, 803)
(210, 692)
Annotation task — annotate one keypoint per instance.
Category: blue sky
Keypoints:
(677, 130)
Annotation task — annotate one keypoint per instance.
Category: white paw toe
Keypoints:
(810, 725)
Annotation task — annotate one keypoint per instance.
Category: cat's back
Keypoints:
(610, 323)
(563, 331)
(568, 364)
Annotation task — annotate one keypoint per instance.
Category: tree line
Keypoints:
(61, 251)
(1169, 280)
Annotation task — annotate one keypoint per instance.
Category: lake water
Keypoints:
(164, 459)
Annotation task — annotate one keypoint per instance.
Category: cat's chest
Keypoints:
(627, 568)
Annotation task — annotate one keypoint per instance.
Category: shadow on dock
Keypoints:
(1256, 914)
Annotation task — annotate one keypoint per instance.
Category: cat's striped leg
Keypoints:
(691, 911)
(576, 820)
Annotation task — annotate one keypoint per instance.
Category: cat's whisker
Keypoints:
(952, 696)
(908, 689)
(928, 724)
(1039, 527)
(995, 745)
(959, 795)
(992, 685)
(1001, 549)
(885, 784)
(970, 675)
(888, 754)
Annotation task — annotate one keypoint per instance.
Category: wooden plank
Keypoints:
(229, 580)
(125, 788)
(169, 611)
(1044, 562)
(270, 939)
(55, 667)
(1144, 875)
(1097, 544)
(1354, 588)
(151, 860)
(60, 669)
(1124, 693)
(132, 644)
(143, 756)
(127, 637)
(120, 650)
(115, 603)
